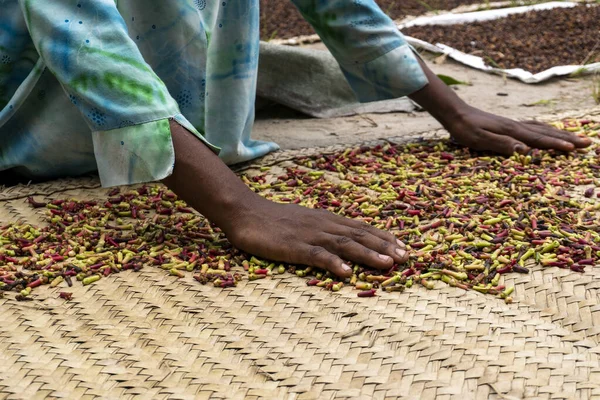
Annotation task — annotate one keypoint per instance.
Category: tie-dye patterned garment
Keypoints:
(91, 85)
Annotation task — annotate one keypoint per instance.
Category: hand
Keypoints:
(298, 235)
(280, 232)
(480, 130)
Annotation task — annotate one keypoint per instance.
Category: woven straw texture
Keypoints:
(150, 335)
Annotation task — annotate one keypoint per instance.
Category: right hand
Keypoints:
(280, 232)
(299, 235)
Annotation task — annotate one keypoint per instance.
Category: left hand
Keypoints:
(483, 131)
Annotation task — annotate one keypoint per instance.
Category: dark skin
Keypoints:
(298, 235)
(480, 130)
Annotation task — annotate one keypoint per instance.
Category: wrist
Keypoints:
(453, 114)
(201, 179)
(229, 207)
(441, 102)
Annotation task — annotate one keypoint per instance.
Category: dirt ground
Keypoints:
(506, 97)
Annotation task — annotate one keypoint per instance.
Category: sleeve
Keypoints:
(373, 55)
(86, 46)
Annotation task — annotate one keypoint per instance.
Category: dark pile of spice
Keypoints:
(281, 19)
(534, 41)
(467, 218)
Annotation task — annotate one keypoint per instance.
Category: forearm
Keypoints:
(438, 99)
(204, 181)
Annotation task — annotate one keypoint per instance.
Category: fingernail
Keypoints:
(569, 145)
(384, 257)
(346, 268)
(400, 243)
(401, 253)
(519, 148)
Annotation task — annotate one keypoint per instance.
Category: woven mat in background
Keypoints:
(149, 335)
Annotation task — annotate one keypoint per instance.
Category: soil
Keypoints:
(487, 92)
(280, 18)
(534, 41)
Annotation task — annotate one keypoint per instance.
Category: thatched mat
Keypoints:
(150, 335)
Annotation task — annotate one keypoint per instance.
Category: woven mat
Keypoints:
(150, 335)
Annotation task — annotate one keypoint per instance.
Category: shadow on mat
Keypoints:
(10, 178)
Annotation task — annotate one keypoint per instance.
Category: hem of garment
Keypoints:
(139, 146)
(381, 51)
(358, 75)
(177, 117)
(134, 154)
